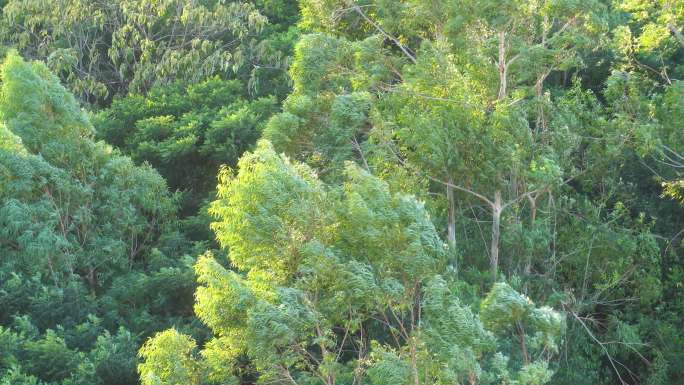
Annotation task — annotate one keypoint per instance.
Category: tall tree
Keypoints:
(78, 223)
(104, 48)
(345, 285)
(187, 132)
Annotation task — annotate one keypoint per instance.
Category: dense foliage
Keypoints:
(341, 192)
(82, 226)
(104, 48)
(187, 133)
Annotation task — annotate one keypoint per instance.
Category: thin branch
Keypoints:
(676, 32)
(601, 344)
(672, 240)
(377, 26)
(457, 187)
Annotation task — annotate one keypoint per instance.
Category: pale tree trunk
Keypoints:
(503, 67)
(523, 345)
(413, 338)
(451, 225)
(411, 335)
(414, 364)
(538, 90)
(676, 32)
(91, 277)
(496, 228)
(533, 217)
(533, 208)
(328, 379)
(540, 128)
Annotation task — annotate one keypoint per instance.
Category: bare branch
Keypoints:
(676, 32)
(356, 8)
(601, 344)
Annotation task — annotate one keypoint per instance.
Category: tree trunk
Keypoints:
(540, 128)
(533, 217)
(538, 88)
(329, 378)
(414, 363)
(91, 277)
(413, 338)
(676, 32)
(451, 225)
(496, 221)
(503, 68)
(523, 345)
(533, 208)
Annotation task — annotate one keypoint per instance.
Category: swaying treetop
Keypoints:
(104, 48)
(70, 205)
(340, 284)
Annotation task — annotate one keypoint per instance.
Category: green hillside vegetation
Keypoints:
(341, 192)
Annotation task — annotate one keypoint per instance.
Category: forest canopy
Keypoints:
(341, 192)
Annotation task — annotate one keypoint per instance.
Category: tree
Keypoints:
(76, 219)
(444, 162)
(104, 48)
(458, 100)
(187, 133)
(71, 185)
(474, 105)
(337, 284)
(169, 360)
